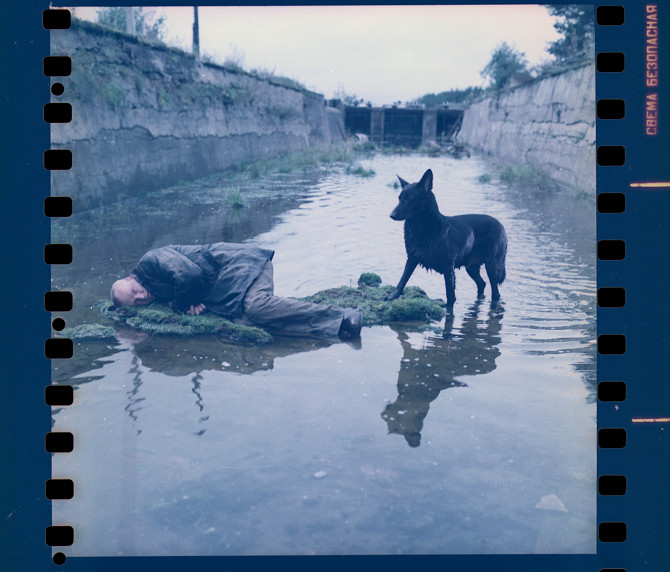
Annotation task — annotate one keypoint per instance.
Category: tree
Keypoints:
(576, 26)
(453, 96)
(147, 25)
(196, 34)
(505, 62)
(349, 99)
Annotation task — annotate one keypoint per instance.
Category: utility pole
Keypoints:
(196, 34)
(130, 21)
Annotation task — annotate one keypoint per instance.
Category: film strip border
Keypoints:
(611, 208)
(609, 298)
(60, 490)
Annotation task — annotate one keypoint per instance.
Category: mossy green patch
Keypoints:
(413, 305)
(524, 175)
(360, 171)
(83, 331)
(369, 279)
(161, 320)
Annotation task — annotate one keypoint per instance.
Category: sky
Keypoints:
(381, 54)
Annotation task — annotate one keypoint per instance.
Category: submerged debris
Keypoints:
(551, 502)
(370, 298)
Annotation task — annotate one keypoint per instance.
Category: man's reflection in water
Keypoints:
(425, 372)
(181, 357)
(186, 356)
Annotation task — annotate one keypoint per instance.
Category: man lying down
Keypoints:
(234, 281)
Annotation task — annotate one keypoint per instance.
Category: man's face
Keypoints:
(129, 292)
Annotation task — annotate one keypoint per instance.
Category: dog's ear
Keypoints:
(403, 182)
(426, 182)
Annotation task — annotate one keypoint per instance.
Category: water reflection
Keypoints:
(192, 356)
(426, 371)
(134, 401)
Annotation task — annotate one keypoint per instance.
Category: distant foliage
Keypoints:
(350, 99)
(235, 59)
(576, 25)
(453, 96)
(147, 24)
(505, 62)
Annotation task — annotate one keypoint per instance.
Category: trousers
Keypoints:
(285, 315)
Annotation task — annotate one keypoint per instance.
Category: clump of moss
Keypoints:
(161, 320)
(413, 306)
(372, 301)
(360, 171)
(83, 331)
(369, 279)
(524, 175)
(236, 199)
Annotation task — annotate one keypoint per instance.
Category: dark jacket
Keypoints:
(217, 275)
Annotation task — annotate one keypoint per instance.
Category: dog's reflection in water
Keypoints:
(425, 372)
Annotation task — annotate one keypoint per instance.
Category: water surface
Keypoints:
(450, 439)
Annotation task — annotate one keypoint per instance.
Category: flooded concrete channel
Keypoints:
(474, 435)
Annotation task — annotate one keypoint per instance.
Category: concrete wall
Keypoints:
(146, 117)
(549, 124)
(429, 128)
(335, 124)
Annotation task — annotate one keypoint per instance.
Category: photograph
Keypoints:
(333, 277)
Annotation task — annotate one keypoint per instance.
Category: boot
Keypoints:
(351, 324)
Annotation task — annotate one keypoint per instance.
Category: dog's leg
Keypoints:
(410, 265)
(450, 285)
(492, 273)
(473, 271)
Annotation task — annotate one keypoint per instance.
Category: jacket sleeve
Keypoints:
(171, 277)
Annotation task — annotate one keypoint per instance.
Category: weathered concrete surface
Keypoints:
(549, 124)
(146, 117)
(335, 125)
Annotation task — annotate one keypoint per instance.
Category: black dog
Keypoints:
(442, 243)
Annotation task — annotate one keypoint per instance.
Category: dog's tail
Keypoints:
(500, 266)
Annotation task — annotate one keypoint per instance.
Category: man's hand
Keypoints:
(195, 310)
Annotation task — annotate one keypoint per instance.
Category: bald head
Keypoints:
(129, 292)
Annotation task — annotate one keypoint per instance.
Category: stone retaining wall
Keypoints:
(548, 124)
